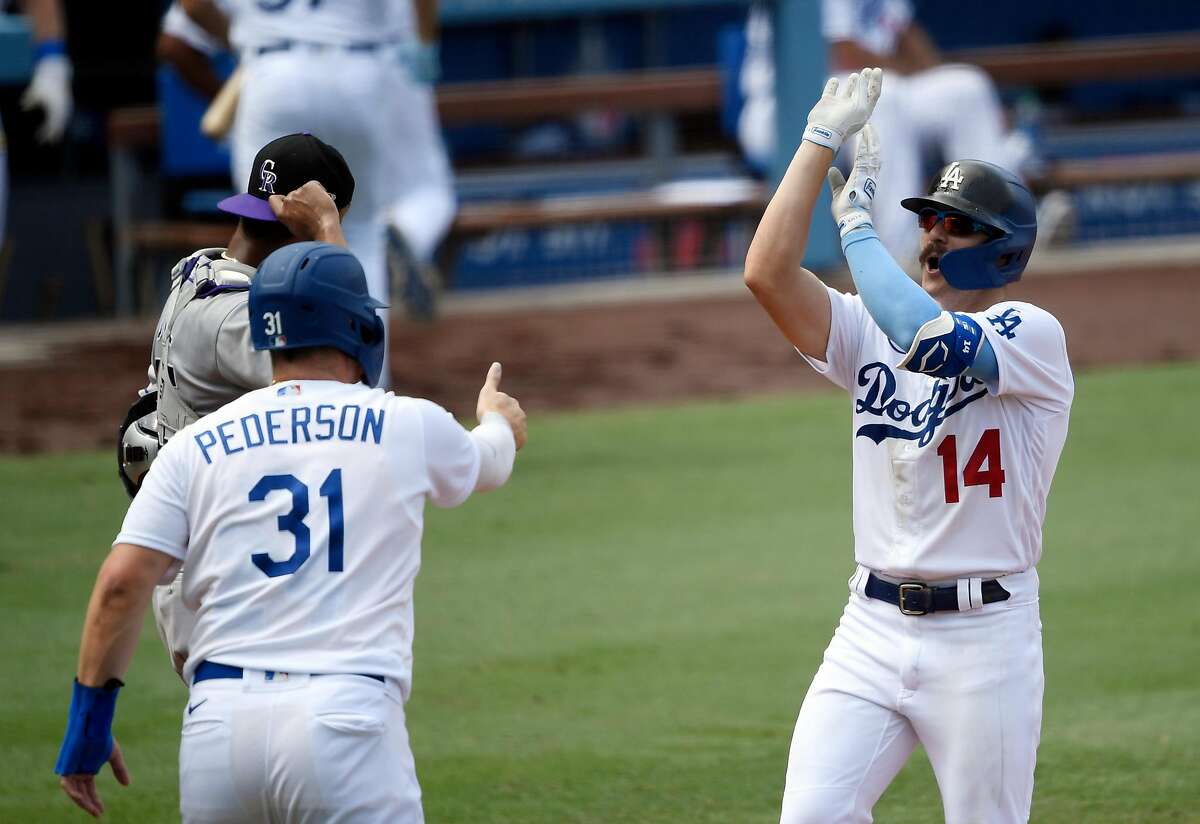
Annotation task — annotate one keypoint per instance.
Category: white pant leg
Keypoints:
(419, 197)
(849, 740)
(345, 99)
(978, 710)
(900, 173)
(300, 749)
(961, 113)
(365, 237)
(173, 620)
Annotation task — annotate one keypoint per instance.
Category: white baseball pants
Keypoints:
(966, 685)
(296, 749)
(385, 124)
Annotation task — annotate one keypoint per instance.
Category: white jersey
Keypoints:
(257, 23)
(298, 509)
(874, 25)
(951, 476)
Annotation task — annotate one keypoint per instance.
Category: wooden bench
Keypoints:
(1108, 58)
(658, 95)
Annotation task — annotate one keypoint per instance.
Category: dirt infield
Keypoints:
(71, 394)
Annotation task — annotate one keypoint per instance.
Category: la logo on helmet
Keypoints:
(952, 179)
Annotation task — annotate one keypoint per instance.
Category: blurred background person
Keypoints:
(360, 76)
(931, 108)
(188, 48)
(49, 88)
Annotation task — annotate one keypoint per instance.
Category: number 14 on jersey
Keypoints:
(983, 467)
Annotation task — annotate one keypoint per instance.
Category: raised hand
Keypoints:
(852, 199)
(491, 399)
(843, 108)
(309, 213)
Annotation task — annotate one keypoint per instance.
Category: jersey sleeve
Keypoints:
(1031, 354)
(177, 24)
(848, 320)
(157, 518)
(451, 456)
(238, 362)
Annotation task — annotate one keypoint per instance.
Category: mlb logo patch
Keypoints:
(280, 340)
(288, 389)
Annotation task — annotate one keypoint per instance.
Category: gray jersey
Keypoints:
(202, 357)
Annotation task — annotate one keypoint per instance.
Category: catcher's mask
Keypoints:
(315, 294)
(137, 442)
(996, 198)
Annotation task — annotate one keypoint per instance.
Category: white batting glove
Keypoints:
(50, 90)
(852, 199)
(843, 111)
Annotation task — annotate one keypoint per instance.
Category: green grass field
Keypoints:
(625, 633)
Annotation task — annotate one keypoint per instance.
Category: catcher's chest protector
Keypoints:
(194, 279)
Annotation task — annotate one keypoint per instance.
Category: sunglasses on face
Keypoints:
(956, 223)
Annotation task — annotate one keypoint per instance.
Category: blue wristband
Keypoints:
(49, 48)
(88, 743)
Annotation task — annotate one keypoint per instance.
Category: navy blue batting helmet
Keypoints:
(315, 294)
(996, 198)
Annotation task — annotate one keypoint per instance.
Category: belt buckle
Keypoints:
(909, 588)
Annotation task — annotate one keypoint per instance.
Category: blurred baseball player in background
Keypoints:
(960, 403)
(49, 88)
(189, 48)
(952, 109)
(201, 355)
(297, 511)
(360, 73)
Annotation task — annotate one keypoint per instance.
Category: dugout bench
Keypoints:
(660, 96)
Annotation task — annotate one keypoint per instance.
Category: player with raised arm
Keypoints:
(297, 511)
(960, 400)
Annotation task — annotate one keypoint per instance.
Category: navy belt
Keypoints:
(284, 45)
(211, 670)
(919, 599)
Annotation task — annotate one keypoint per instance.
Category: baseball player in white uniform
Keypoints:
(201, 355)
(960, 399)
(360, 73)
(189, 48)
(297, 511)
(951, 108)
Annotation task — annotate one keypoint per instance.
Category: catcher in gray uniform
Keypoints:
(202, 357)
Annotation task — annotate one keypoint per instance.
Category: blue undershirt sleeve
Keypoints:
(985, 366)
(897, 304)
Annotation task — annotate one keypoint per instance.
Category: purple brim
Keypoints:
(247, 205)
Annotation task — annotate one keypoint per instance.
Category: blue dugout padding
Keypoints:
(16, 50)
(185, 151)
(690, 33)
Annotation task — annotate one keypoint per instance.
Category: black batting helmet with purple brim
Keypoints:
(286, 164)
